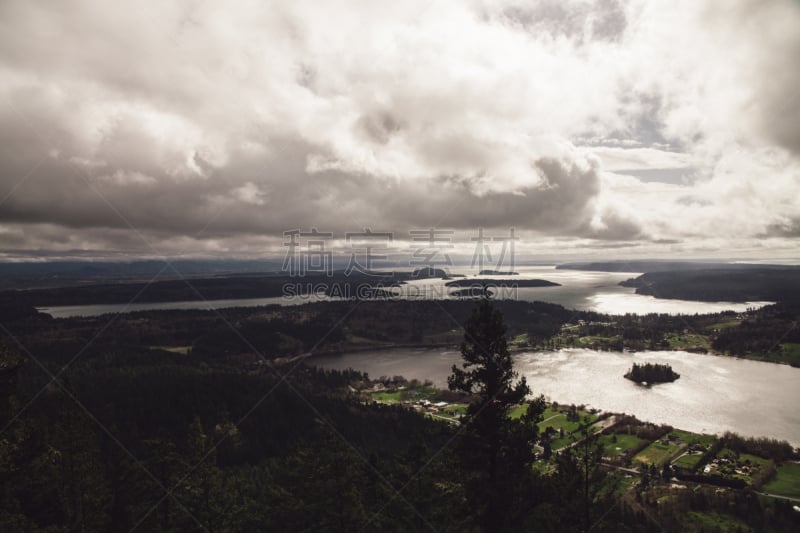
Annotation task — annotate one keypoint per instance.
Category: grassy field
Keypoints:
(656, 454)
(617, 484)
(360, 341)
(459, 409)
(688, 461)
(787, 352)
(565, 441)
(786, 482)
(790, 353)
(595, 341)
(753, 459)
(549, 413)
(724, 325)
(558, 420)
(183, 350)
(743, 458)
(410, 394)
(712, 521)
(519, 340)
(444, 337)
(624, 442)
(517, 411)
(386, 397)
(694, 438)
(680, 341)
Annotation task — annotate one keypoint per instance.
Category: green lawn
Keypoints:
(791, 347)
(459, 409)
(728, 453)
(689, 340)
(786, 482)
(754, 459)
(549, 412)
(518, 411)
(183, 350)
(442, 337)
(554, 418)
(713, 521)
(558, 420)
(743, 459)
(724, 325)
(590, 341)
(787, 352)
(519, 340)
(616, 484)
(560, 443)
(355, 339)
(410, 394)
(657, 453)
(790, 353)
(624, 442)
(386, 397)
(694, 438)
(688, 460)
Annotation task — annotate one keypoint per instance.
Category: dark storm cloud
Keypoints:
(79, 196)
(790, 228)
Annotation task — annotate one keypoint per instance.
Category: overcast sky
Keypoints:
(609, 128)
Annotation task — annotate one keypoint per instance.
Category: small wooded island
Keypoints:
(514, 283)
(651, 373)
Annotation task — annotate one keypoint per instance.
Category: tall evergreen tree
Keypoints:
(496, 451)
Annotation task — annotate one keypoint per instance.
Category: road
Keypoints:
(622, 468)
(787, 498)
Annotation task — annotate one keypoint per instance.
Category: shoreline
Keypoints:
(512, 349)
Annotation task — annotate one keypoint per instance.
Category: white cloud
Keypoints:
(249, 193)
(640, 158)
(264, 116)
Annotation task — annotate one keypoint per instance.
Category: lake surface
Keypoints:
(583, 290)
(714, 393)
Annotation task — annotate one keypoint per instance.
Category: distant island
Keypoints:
(498, 273)
(771, 284)
(429, 272)
(473, 292)
(651, 373)
(483, 283)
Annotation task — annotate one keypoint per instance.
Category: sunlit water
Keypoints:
(714, 393)
(590, 291)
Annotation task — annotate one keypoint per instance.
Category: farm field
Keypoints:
(657, 454)
(623, 443)
(786, 482)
